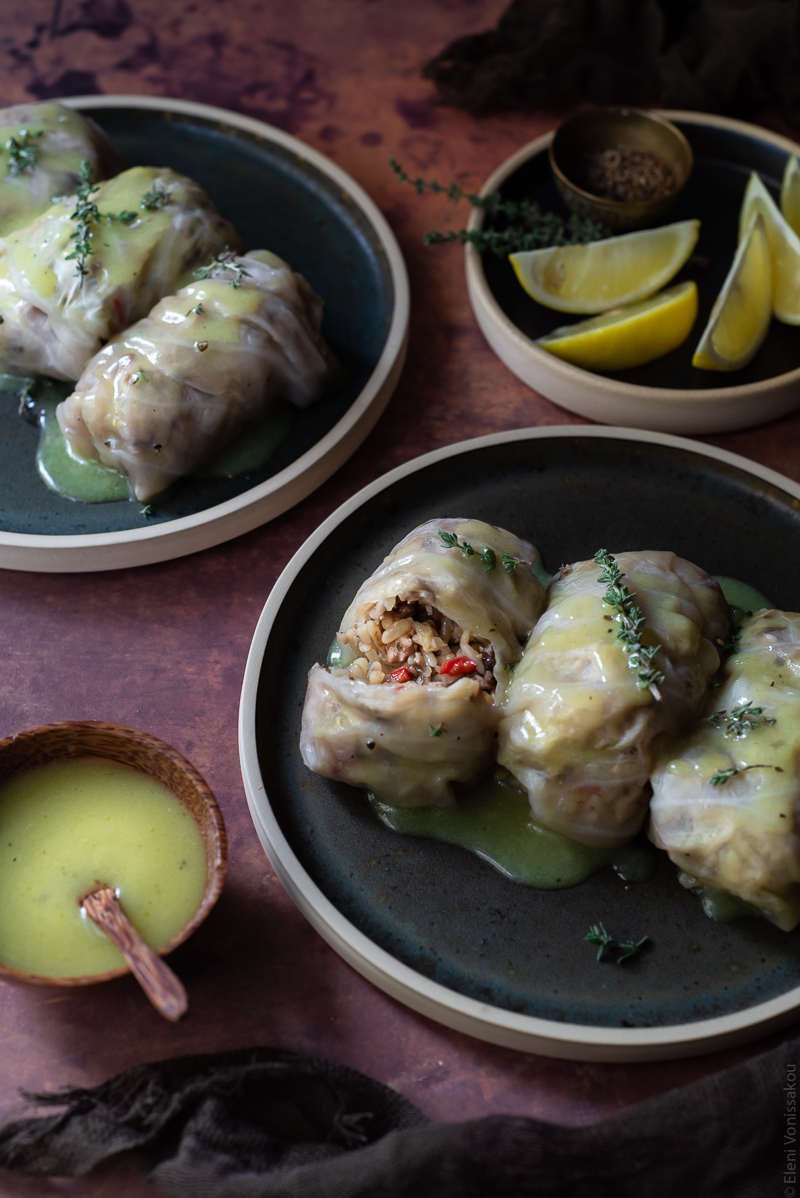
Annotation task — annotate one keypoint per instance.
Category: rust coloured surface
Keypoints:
(163, 648)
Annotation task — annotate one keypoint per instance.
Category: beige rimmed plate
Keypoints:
(281, 195)
(431, 924)
(668, 394)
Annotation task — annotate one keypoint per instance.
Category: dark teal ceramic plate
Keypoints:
(430, 923)
(668, 394)
(280, 195)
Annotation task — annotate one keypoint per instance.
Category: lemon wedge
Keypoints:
(604, 274)
(741, 314)
(790, 193)
(627, 336)
(784, 248)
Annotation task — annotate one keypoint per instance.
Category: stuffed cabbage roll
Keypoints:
(586, 707)
(415, 703)
(43, 146)
(205, 365)
(726, 797)
(97, 261)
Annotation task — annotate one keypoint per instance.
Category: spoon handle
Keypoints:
(159, 983)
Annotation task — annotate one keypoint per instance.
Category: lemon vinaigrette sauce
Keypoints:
(69, 826)
(91, 482)
(493, 820)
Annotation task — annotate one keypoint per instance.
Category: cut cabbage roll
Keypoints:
(726, 796)
(42, 147)
(581, 726)
(415, 704)
(206, 364)
(149, 230)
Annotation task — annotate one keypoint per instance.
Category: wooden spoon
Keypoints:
(162, 987)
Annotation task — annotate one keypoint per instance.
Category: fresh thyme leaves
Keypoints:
(488, 558)
(739, 720)
(225, 261)
(452, 191)
(452, 542)
(22, 151)
(85, 215)
(196, 310)
(157, 197)
(526, 226)
(607, 943)
(126, 216)
(722, 776)
(437, 729)
(732, 644)
(631, 621)
(140, 374)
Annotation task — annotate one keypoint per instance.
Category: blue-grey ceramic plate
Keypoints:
(668, 394)
(429, 922)
(280, 195)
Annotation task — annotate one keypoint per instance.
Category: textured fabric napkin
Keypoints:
(731, 56)
(263, 1123)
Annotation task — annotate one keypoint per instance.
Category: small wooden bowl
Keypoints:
(149, 755)
(625, 129)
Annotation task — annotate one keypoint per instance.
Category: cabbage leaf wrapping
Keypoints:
(740, 835)
(427, 607)
(154, 228)
(580, 732)
(206, 364)
(60, 139)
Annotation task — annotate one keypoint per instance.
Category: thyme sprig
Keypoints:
(722, 776)
(731, 645)
(22, 151)
(225, 261)
(436, 729)
(157, 197)
(85, 215)
(607, 943)
(488, 558)
(526, 226)
(739, 720)
(452, 542)
(631, 620)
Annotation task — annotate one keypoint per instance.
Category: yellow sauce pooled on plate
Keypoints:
(67, 827)
(493, 819)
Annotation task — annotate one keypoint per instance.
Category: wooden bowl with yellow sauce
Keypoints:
(85, 804)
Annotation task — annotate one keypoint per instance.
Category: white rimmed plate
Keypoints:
(668, 394)
(431, 924)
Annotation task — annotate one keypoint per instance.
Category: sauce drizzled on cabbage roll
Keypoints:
(725, 795)
(414, 703)
(55, 317)
(579, 731)
(207, 364)
(42, 147)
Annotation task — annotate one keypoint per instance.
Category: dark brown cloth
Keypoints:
(728, 56)
(263, 1123)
